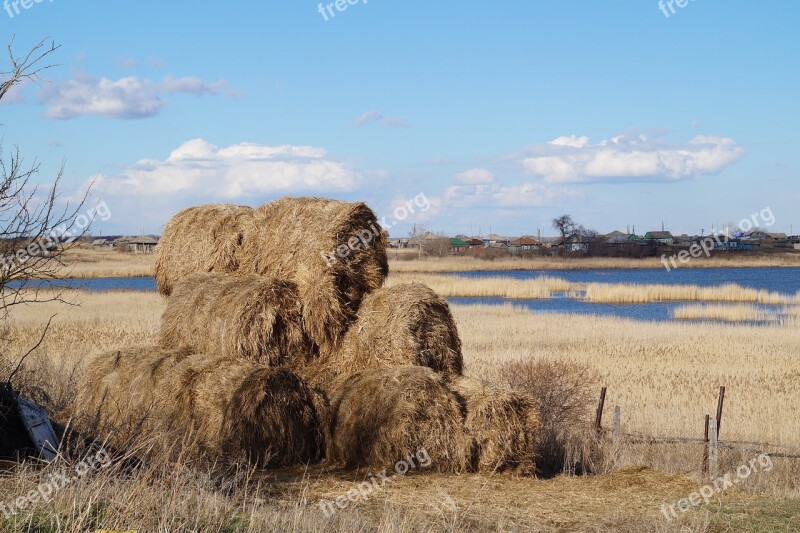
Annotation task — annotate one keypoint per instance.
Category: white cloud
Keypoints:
(126, 98)
(571, 140)
(480, 188)
(200, 169)
(474, 176)
(630, 157)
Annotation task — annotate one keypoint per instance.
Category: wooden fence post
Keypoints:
(720, 403)
(598, 419)
(705, 445)
(616, 429)
(713, 448)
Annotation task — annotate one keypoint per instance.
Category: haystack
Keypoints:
(381, 416)
(335, 252)
(504, 424)
(406, 324)
(224, 409)
(199, 239)
(117, 393)
(268, 416)
(251, 317)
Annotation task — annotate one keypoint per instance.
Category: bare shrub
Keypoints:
(565, 392)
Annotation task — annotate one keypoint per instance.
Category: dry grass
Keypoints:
(401, 325)
(663, 375)
(380, 416)
(203, 238)
(624, 293)
(225, 409)
(251, 317)
(726, 313)
(504, 287)
(471, 264)
(86, 262)
(504, 424)
(286, 237)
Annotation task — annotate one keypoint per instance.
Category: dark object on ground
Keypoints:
(26, 428)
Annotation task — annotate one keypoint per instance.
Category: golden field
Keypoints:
(664, 376)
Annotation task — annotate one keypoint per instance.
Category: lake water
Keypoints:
(783, 280)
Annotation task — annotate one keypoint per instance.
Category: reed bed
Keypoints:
(399, 262)
(501, 287)
(726, 313)
(629, 294)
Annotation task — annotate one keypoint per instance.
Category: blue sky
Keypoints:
(503, 114)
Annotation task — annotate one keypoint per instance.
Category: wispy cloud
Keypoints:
(126, 98)
(479, 187)
(126, 63)
(374, 116)
(628, 157)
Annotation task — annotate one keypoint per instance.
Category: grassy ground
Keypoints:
(664, 376)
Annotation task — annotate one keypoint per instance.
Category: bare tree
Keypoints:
(438, 246)
(566, 227)
(35, 226)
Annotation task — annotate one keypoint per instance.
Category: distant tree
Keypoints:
(439, 246)
(566, 227)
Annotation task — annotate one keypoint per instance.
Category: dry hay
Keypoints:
(117, 392)
(406, 324)
(240, 410)
(504, 424)
(381, 416)
(250, 317)
(224, 409)
(287, 238)
(203, 238)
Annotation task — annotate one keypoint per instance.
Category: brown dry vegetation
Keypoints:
(471, 264)
(664, 376)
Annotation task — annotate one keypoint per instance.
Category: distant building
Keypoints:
(142, 245)
(662, 237)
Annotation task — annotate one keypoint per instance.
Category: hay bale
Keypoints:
(268, 416)
(223, 409)
(250, 317)
(380, 416)
(406, 324)
(117, 391)
(504, 424)
(199, 239)
(297, 239)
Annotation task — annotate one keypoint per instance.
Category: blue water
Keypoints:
(783, 280)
